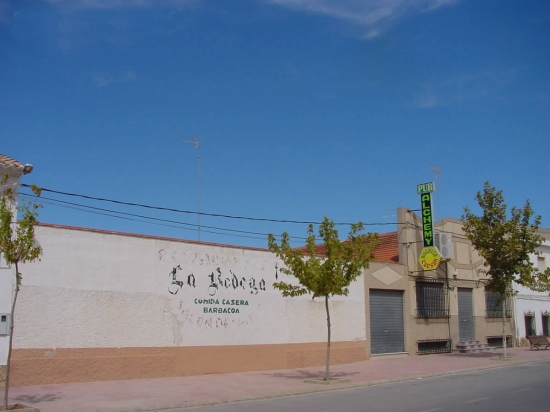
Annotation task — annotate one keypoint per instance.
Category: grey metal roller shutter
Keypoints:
(386, 321)
(465, 314)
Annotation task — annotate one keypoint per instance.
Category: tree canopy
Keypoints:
(17, 243)
(331, 272)
(506, 242)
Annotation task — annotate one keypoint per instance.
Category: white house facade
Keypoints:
(14, 170)
(532, 309)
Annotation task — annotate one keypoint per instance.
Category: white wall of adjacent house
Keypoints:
(532, 307)
(93, 289)
(7, 274)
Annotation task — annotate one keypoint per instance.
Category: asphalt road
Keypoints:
(523, 387)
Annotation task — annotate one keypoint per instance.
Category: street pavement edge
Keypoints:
(314, 389)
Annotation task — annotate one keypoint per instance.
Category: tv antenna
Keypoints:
(197, 145)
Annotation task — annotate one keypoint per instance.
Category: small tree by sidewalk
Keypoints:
(327, 275)
(17, 245)
(506, 243)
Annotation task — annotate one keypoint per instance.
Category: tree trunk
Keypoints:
(7, 387)
(504, 346)
(327, 372)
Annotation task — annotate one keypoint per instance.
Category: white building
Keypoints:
(103, 305)
(532, 309)
(14, 170)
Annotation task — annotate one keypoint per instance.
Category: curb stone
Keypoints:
(306, 391)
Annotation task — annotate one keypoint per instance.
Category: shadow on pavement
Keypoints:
(301, 374)
(484, 355)
(47, 397)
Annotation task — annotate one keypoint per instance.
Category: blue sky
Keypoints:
(304, 108)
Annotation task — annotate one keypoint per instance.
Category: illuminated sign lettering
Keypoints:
(427, 219)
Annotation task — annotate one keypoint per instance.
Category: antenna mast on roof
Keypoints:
(437, 173)
(197, 145)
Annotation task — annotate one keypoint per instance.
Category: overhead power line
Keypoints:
(145, 221)
(194, 226)
(157, 221)
(139, 218)
(119, 202)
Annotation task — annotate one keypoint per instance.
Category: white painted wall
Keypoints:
(106, 290)
(528, 301)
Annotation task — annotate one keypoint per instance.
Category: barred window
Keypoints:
(493, 305)
(431, 300)
(496, 341)
(432, 346)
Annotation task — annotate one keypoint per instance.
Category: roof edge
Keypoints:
(11, 163)
(138, 235)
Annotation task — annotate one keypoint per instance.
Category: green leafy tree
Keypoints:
(17, 245)
(329, 274)
(506, 241)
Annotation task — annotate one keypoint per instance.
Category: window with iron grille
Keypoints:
(546, 324)
(433, 346)
(496, 341)
(530, 328)
(431, 300)
(493, 305)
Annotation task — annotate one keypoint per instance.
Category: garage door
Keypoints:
(386, 321)
(465, 314)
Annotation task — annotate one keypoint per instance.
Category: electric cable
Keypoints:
(153, 223)
(201, 213)
(107, 212)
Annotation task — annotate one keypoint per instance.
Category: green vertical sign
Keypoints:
(427, 220)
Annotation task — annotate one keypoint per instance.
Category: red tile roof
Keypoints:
(14, 164)
(386, 251)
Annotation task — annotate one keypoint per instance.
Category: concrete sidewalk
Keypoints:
(164, 393)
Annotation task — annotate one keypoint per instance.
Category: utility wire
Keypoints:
(153, 223)
(201, 213)
(107, 212)
(78, 206)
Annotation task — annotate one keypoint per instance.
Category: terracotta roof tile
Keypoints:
(14, 164)
(387, 249)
